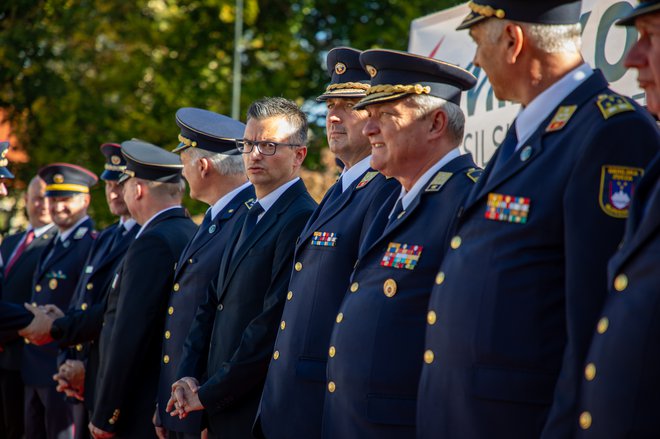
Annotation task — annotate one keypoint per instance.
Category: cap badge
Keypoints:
(371, 70)
(115, 160)
(58, 178)
(340, 68)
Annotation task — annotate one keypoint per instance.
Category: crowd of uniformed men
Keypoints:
(422, 298)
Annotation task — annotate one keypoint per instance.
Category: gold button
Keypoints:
(456, 242)
(431, 317)
(190, 261)
(111, 421)
(621, 282)
(34, 303)
(298, 266)
(590, 372)
(340, 317)
(332, 351)
(37, 288)
(354, 287)
(26, 341)
(176, 287)
(79, 347)
(585, 420)
(89, 286)
(428, 356)
(282, 325)
(52, 284)
(289, 296)
(603, 324)
(166, 359)
(276, 355)
(331, 387)
(83, 306)
(170, 310)
(389, 287)
(439, 278)
(168, 334)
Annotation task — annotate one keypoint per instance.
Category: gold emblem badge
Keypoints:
(115, 159)
(371, 70)
(52, 284)
(340, 68)
(389, 287)
(58, 178)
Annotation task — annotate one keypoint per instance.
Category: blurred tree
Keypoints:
(78, 73)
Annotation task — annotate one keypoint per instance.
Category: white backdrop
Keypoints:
(604, 47)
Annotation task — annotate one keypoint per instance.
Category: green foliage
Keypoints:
(78, 73)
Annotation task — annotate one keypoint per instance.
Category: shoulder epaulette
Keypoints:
(474, 174)
(611, 105)
(438, 181)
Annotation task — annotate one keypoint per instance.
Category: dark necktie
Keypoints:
(117, 235)
(507, 148)
(203, 229)
(29, 237)
(248, 225)
(398, 208)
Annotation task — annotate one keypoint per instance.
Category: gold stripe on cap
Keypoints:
(387, 88)
(109, 167)
(486, 10)
(68, 187)
(186, 141)
(347, 85)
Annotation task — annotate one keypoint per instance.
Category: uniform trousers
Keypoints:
(11, 404)
(47, 415)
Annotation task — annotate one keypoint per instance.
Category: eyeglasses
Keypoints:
(264, 147)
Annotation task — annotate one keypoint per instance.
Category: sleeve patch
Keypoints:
(617, 187)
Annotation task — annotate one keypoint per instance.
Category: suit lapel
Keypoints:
(120, 249)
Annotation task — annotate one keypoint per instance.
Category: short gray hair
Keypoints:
(549, 38)
(265, 108)
(455, 116)
(223, 164)
(171, 190)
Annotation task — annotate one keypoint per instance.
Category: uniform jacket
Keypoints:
(376, 347)
(620, 381)
(54, 282)
(197, 267)
(292, 401)
(17, 287)
(78, 331)
(526, 265)
(237, 324)
(130, 341)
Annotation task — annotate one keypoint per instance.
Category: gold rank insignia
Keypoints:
(474, 174)
(561, 118)
(438, 181)
(249, 203)
(611, 105)
(366, 179)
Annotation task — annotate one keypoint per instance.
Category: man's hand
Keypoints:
(184, 398)
(161, 431)
(97, 433)
(53, 311)
(38, 331)
(71, 379)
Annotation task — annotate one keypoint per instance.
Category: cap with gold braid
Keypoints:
(348, 78)
(114, 162)
(65, 179)
(4, 172)
(527, 11)
(208, 130)
(642, 8)
(395, 75)
(150, 162)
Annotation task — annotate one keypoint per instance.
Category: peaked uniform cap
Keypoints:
(347, 77)
(150, 162)
(642, 8)
(4, 172)
(395, 75)
(65, 179)
(114, 162)
(527, 11)
(208, 130)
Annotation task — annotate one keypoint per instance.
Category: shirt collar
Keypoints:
(65, 235)
(225, 199)
(421, 181)
(539, 109)
(39, 230)
(144, 226)
(270, 199)
(127, 224)
(351, 174)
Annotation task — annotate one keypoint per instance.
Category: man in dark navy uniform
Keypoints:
(61, 263)
(292, 402)
(620, 389)
(21, 252)
(523, 281)
(215, 173)
(415, 127)
(235, 328)
(130, 341)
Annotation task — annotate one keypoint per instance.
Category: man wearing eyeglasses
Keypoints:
(238, 323)
(292, 402)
